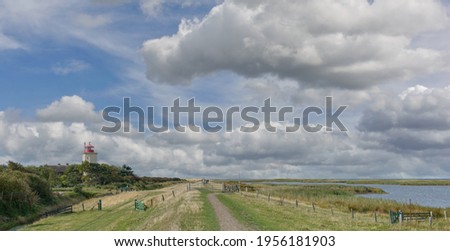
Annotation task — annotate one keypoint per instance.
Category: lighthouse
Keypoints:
(89, 154)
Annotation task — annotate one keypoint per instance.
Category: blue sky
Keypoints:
(62, 62)
(29, 78)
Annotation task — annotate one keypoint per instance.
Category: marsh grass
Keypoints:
(340, 197)
(259, 214)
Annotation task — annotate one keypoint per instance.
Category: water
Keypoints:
(433, 196)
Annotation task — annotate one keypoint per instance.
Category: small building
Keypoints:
(59, 169)
(89, 154)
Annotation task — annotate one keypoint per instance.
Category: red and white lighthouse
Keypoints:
(89, 154)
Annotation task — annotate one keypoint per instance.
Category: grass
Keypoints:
(61, 200)
(405, 182)
(118, 216)
(205, 219)
(340, 197)
(258, 214)
(186, 211)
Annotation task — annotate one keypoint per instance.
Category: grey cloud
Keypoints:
(416, 120)
(376, 121)
(419, 108)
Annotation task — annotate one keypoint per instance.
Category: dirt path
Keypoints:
(226, 221)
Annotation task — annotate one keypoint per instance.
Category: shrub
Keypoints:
(16, 195)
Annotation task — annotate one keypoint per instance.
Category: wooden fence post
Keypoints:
(410, 212)
(151, 202)
(375, 216)
(445, 214)
(431, 218)
(353, 213)
(268, 198)
(314, 207)
(332, 213)
(162, 195)
(173, 193)
(82, 206)
(296, 203)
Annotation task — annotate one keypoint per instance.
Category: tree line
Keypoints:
(24, 188)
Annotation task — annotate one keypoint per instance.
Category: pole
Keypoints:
(410, 213)
(239, 182)
(431, 218)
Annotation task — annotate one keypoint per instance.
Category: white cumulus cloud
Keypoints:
(69, 109)
(317, 43)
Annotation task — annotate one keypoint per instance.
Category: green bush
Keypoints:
(78, 189)
(40, 187)
(16, 195)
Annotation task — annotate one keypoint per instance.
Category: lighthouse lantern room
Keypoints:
(89, 154)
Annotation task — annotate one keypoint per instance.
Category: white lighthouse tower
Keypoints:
(89, 154)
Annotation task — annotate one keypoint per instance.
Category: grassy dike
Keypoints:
(259, 214)
(186, 211)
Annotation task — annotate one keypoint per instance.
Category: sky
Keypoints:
(63, 62)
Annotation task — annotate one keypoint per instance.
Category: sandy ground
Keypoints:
(226, 221)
